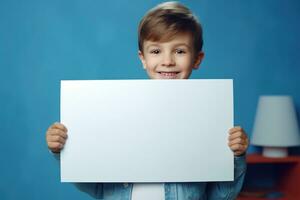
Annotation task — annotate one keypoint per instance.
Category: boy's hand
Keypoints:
(238, 140)
(56, 137)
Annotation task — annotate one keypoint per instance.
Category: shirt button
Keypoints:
(125, 185)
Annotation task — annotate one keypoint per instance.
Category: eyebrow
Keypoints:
(176, 45)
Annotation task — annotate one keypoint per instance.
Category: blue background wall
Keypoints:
(41, 42)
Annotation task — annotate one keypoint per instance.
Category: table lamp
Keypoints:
(275, 127)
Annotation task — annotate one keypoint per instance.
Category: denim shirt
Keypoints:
(174, 191)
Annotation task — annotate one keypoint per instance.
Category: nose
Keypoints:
(168, 60)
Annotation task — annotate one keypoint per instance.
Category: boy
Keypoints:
(170, 47)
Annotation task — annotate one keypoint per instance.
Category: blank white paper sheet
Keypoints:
(147, 130)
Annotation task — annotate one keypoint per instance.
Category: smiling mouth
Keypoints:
(168, 73)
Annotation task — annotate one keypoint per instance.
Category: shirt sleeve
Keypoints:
(229, 190)
(55, 155)
(93, 189)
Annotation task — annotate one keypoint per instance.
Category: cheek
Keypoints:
(150, 64)
(186, 64)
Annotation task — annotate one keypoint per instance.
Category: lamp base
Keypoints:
(275, 152)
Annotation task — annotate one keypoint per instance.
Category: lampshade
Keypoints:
(275, 123)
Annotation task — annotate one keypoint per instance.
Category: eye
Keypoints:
(155, 51)
(180, 51)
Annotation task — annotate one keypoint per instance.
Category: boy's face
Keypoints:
(174, 59)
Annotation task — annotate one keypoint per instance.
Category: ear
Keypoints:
(198, 59)
(142, 58)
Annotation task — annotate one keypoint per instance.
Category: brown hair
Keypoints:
(165, 21)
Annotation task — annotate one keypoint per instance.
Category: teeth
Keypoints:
(168, 73)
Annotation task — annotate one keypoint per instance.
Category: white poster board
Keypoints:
(147, 130)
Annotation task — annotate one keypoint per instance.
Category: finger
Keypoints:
(55, 146)
(238, 134)
(60, 126)
(59, 132)
(235, 129)
(238, 147)
(56, 138)
(238, 140)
